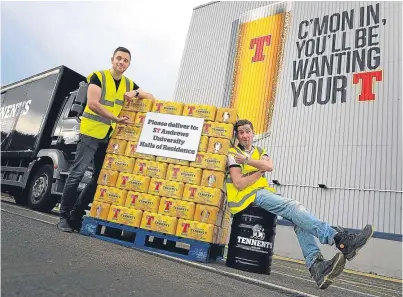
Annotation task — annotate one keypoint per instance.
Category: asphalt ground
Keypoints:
(39, 260)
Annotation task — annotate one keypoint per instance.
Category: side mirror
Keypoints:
(76, 109)
(81, 97)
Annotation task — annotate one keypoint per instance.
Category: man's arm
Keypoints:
(264, 164)
(142, 94)
(93, 97)
(241, 182)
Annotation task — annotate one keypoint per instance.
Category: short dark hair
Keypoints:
(122, 49)
(242, 123)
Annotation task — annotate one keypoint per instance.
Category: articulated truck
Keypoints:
(39, 133)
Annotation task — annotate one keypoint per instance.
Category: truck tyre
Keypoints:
(39, 190)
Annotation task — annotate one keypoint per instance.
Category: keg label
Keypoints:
(256, 239)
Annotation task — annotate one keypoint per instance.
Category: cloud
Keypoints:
(82, 35)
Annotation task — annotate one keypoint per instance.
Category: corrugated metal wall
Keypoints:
(354, 148)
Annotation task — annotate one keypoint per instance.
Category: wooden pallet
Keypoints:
(137, 238)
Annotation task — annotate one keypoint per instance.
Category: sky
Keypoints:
(37, 36)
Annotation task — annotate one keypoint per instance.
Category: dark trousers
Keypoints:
(88, 149)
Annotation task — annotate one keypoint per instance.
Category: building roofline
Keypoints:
(209, 3)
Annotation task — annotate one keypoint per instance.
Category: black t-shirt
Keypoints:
(95, 80)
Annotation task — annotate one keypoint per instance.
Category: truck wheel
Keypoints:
(39, 190)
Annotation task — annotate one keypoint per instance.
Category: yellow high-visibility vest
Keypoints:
(239, 200)
(94, 125)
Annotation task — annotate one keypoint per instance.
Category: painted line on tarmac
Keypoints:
(332, 286)
(28, 217)
(395, 280)
(28, 210)
(235, 276)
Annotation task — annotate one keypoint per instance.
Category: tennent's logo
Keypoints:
(175, 171)
(168, 205)
(258, 45)
(192, 192)
(191, 109)
(149, 219)
(103, 191)
(185, 227)
(258, 232)
(159, 105)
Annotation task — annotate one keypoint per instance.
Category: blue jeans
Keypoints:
(306, 226)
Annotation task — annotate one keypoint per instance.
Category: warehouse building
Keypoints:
(321, 82)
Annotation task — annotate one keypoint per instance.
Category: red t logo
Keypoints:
(157, 186)
(259, 42)
(168, 205)
(206, 127)
(124, 180)
(159, 106)
(119, 130)
(192, 192)
(199, 158)
(185, 227)
(132, 148)
(142, 166)
(134, 197)
(103, 191)
(175, 170)
(191, 108)
(115, 215)
(367, 79)
(149, 220)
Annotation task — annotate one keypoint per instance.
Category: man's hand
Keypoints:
(240, 158)
(124, 120)
(131, 95)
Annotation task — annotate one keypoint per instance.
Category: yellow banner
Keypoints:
(256, 70)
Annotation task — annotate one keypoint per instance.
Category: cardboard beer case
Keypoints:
(198, 231)
(208, 214)
(107, 177)
(167, 107)
(150, 168)
(116, 146)
(177, 208)
(143, 201)
(206, 112)
(226, 115)
(138, 105)
(99, 210)
(213, 179)
(133, 182)
(184, 174)
(159, 223)
(166, 188)
(110, 195)
(203, 195)
(130, 151)
(124, 215)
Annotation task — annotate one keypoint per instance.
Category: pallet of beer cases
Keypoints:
(162, 202)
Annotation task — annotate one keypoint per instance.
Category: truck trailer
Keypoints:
(40, 127)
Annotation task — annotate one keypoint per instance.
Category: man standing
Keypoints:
(247, 184)
(107, 91)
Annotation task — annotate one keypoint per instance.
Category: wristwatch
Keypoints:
(137, 94)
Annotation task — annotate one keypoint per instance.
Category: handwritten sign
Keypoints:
(170, 136)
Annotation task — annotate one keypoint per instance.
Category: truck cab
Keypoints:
(39, 134)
